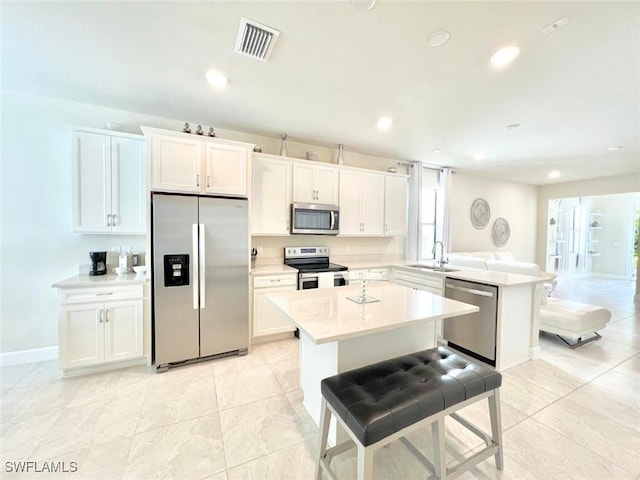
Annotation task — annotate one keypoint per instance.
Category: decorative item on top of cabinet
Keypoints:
(197, 164)
(284, 151)
(315, 182)
(361, 202)
(340, 157)
(109, 193)
(271, 195)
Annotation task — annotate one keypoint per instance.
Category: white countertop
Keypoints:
(272, 270)
(489, 277)
(326, 315)
(85, 280)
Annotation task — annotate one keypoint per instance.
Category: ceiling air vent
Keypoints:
(255, 40)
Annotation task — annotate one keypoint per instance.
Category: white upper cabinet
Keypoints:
(271, 195)
(395, 205)
(109, 182)
(315, 182)
(176, 163)
(182, 162)
(361, 202)
(226, 169)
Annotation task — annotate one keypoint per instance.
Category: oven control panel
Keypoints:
(298, 252)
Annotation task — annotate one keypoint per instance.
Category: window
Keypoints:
(428, 221)
(430, 213)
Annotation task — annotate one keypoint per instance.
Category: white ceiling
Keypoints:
(335, 70)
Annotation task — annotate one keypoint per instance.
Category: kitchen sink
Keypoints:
(433, 268)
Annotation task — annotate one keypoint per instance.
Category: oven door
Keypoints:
(312, 280)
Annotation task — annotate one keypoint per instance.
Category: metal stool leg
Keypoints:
(325, 419)
(439, 450)
(496, 426)
(365, 463)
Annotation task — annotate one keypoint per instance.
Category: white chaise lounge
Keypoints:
(573, 322)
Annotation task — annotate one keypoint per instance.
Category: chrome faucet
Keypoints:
(442, 260)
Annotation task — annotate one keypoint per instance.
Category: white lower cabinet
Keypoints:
(432, 283)
(95, 331)
(267, 318)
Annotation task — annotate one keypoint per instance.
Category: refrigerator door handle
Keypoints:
(194, 248)
(201, 267)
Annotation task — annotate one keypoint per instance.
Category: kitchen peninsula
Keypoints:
(338, 334)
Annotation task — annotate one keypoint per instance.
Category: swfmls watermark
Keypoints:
(40, 467)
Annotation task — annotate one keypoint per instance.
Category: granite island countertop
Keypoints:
(327, 315)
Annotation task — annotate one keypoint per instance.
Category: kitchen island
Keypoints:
(338, 334)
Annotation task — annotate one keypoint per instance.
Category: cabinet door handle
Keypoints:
(106, 315)
(104, 293)
(208, 181)
(197, 180)
(108, 220)
(114, 220)
(100, 319)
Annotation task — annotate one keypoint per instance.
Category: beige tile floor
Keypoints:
(572, 414)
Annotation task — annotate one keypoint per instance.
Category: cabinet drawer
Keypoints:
(99, 294)
(274, 281)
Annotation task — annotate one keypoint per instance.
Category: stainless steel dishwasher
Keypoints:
(474, 333)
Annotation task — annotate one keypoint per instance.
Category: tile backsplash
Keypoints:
(271, 249)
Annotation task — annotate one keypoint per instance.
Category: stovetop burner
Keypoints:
(311, 259)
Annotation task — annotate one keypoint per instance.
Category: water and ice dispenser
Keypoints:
(176, 270)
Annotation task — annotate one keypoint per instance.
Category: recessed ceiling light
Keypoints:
(435, 150)
(504, 56)
(438, 38)
(217, 78)
(554, 174)
(617, 147)
(384, 123)
(363, 5)
(480, 156)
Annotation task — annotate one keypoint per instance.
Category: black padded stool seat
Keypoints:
(381, 399)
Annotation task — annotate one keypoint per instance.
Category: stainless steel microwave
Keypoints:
(315, 219)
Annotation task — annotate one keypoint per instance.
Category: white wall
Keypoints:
(515, 202)
(38, 247)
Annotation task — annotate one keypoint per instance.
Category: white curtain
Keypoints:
(446, 187)
(414, 232)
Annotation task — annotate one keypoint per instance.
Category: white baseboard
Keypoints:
(28, 356)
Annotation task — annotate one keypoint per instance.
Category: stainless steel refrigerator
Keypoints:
(200, 250)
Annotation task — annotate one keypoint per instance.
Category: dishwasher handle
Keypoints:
(472, 291)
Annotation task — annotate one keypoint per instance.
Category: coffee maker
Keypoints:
(98, 263)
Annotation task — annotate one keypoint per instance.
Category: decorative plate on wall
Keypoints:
(480, 213)
(500, 232)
